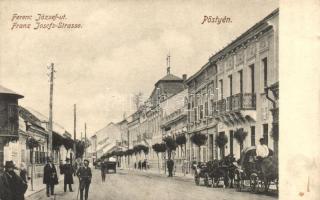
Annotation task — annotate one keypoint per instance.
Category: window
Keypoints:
(252, 77)
(265, 133)
(231, 141)
(206, 111)
(201, 111)
(265, 72)
(241, 81)
(230, 82)
(221, 88)
(195, 114)
(253, 135)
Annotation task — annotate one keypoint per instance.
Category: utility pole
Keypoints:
(74, 130)
(52, 71)
(85, 140)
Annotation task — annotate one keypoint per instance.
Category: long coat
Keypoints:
(12, 187)
(50, 175)
(84, 175)
(68, 172)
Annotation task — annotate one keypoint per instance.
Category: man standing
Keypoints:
(50, 177)
(103, 170)
(262, 152)
(68, 172)
(85, 175)
(170, 165)
(12, 187)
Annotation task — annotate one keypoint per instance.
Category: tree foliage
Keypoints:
(32, 142)
(80, 146)
(170, 143)
(159, 147)
(221, 140)
(199, 139)
(181, 139)
(240, 135)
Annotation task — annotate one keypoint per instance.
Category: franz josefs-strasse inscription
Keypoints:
(42, 22)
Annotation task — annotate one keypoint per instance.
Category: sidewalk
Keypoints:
(155, 172)
(38, 186)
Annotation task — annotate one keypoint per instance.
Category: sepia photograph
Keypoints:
(122, 100)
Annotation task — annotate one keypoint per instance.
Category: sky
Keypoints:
(120, 50)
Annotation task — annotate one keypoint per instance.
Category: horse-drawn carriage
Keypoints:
(213, 172)
(257, 174)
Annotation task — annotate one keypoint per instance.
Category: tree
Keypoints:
(199, 139)
(137, 99)
(80, 145)
(181, 140)
(170, 144)
(221, 141)
(240, 136)
(159, 148)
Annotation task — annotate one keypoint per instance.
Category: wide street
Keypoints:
(132, 185)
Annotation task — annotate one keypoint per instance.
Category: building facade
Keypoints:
(228, 94)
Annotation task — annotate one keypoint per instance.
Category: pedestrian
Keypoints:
(170, 165)
(135, 165)
(50, 177)
(23, 172)
(12, 187)
(103, 170)
(139, 164)
(85, 175)
(68, 172)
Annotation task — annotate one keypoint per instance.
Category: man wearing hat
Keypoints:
(85, 175)
(12, 187)
(68, 171)
(50, 177)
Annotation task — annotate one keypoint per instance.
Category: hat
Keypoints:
(67, 159)
(49, 159)
(9, 164)
(86, 160)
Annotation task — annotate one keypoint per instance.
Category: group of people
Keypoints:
(83, 172)
(14, 186)
(142, 165)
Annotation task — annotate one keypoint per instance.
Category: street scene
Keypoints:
(159, 110)
(154, 187)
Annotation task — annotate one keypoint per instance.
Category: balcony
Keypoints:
(237, 102)
(173, 117)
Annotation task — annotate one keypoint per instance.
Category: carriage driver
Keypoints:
(262, 152)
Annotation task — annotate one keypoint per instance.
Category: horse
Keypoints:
(216, 171)
(269, 171)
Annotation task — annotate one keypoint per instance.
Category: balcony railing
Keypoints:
(241, 101)
(178, 113)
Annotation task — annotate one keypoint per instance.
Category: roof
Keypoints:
(7, 91)
(169, 77)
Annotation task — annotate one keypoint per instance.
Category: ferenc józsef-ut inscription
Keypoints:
(42, 21)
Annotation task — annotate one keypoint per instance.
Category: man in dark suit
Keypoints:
(103, 170)
(68, 171)
(12, 187)
(50, 177)
(85, 175)
(170, 165)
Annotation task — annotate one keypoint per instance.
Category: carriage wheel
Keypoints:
(197, 180)
(254, 183)
(206, 180)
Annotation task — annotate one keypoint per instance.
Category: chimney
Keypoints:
(184, 77)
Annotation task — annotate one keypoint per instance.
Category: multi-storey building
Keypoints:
(229, 92)
(174, 122)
